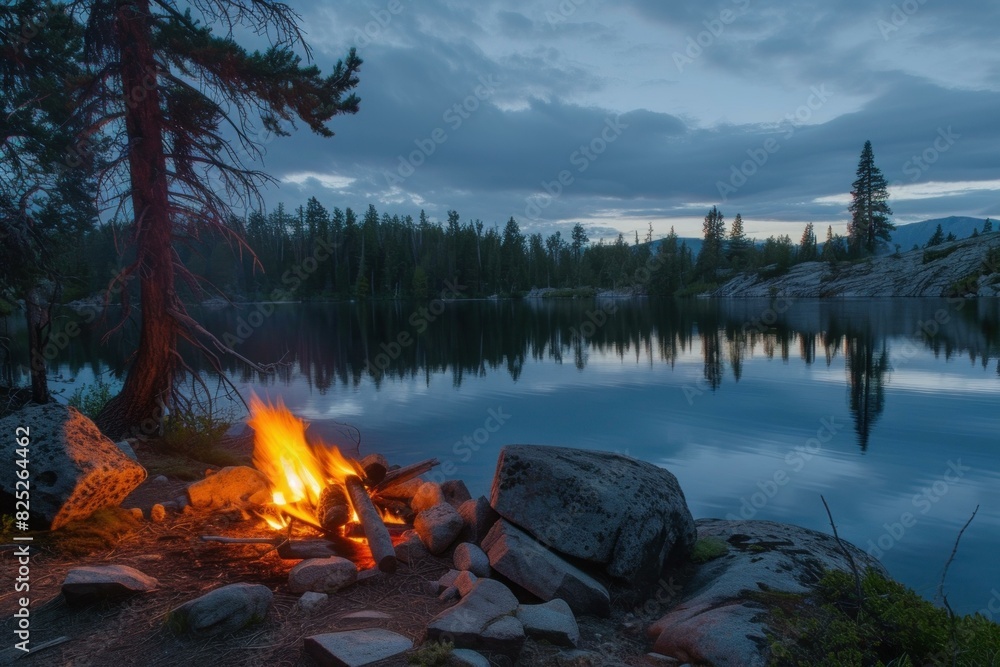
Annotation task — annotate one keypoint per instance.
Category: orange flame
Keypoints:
(298, 472)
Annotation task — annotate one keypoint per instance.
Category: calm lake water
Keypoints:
(890, 409)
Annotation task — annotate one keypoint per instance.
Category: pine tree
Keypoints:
(937, 238)
(807, 245)
(829, 253)
(710, 258)
(739, 244)
(987, 226)
(870, 225)
(182, 177)
(47, 185)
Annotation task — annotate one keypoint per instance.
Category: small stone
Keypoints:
(455, 492)
(322, 575)
(428, 495)
(448, 578)
(181, 502)
(158, 513)
(355, 648)
(411, 548)
(438, 527)
(127, 450)
(464, 582)
(450, 594)
(160, 479)
(136, 513)
(463, 657)
(223, 610)
(660, 660)
(552, 621)
(479, 516)
(370, 573)
(311, 601)
(470, 557)
(84, 585)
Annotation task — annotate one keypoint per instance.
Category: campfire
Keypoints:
(318, 492)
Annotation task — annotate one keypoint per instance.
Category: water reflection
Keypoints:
(327, 344)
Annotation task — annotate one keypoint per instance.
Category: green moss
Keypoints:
(708, 548)
(894, 627)
(103, 529)
(432, 654)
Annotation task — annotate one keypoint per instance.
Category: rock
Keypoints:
(91, 583)
(127, 450)
(75, 470)
(455, 492)
(223, 610)
(715, 622)
(464, 582)
(411, 548)
(136, 513)
(463, 657)
(181, 502)
(322, 575)
(160, 479)
(479, 516)
(355, 648)
(517, 556)
(449, 595)
(628, 515)
(448, 579)
(552, 621)
(233, 485)
(427, 496)
(311, 601)
(469, 557)
(438, 527)
(158, 513)
(482, 620)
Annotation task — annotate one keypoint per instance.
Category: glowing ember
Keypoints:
(298, 471)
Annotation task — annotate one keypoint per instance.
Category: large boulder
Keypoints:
(529, 564)
(716, 622)
(74, 469)
(627, 515)
(438, 527)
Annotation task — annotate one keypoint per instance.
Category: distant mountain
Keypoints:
(918, 233)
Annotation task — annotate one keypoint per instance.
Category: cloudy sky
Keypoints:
(622, 114)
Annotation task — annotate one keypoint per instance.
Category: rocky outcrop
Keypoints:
(74, 469)
(959, 268)
(718, 620)
(627, 515)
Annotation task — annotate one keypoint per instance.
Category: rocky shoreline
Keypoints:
(576, 558)
(962, 269)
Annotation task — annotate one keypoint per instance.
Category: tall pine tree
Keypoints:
(180, 175)
(870, 225)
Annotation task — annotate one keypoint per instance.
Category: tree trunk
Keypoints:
(38, 321)
(139, 406)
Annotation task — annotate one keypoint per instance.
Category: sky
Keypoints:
(621, 115)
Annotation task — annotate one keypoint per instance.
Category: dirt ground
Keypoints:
(133, 632)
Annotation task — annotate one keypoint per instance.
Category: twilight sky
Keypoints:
(618, 114)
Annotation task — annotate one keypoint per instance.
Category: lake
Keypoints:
(888, 408)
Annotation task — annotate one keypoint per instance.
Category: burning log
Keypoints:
(334, 509)
(375, 466)
(379, 541)
(404, 474)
